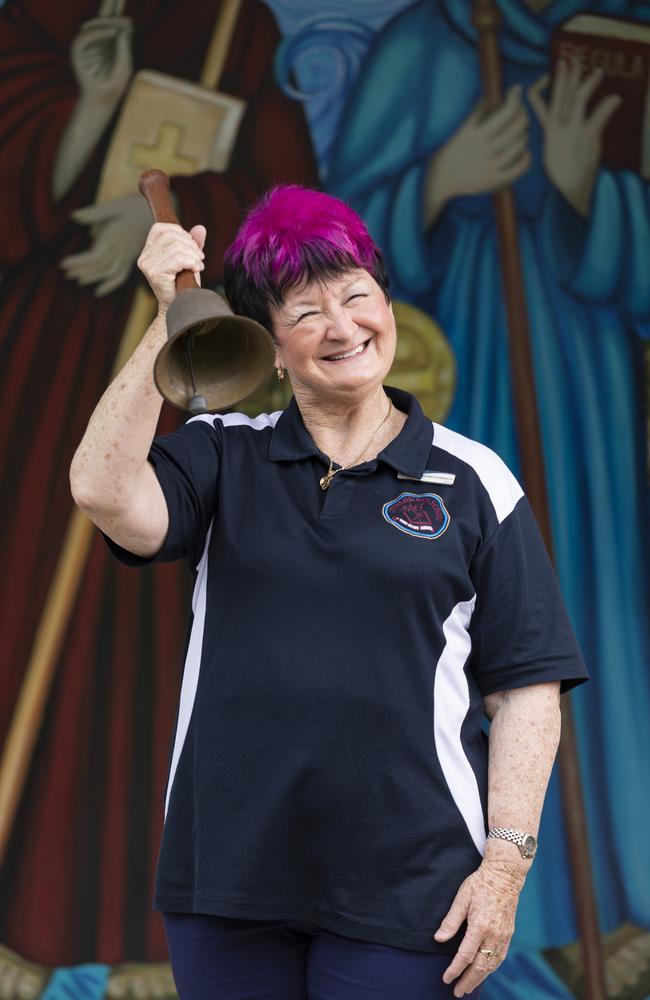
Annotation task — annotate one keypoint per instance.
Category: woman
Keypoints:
(368, 585)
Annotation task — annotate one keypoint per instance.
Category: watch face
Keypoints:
(530, 845)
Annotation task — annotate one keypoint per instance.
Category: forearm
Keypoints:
(524, 737)
(82, 133)
(115, 446)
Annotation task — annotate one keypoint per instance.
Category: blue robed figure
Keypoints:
(405, 156)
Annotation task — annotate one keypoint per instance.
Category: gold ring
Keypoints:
(488, 952)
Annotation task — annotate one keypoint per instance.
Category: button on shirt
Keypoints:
(328, 762)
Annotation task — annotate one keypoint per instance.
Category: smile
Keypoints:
(348, 354)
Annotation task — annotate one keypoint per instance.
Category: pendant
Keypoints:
(327, 478)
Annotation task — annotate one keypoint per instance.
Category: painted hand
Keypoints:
(572, 141)
(101, 54)
(118, 230)
(487, 899)
(488, 151)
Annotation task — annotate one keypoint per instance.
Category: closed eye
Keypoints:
(314, 312)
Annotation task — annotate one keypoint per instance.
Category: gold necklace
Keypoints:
(331, 472)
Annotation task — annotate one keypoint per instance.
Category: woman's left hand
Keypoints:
(487, 899)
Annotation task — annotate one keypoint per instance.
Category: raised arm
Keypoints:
(110, 477)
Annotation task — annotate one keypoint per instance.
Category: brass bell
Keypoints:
(212, 358)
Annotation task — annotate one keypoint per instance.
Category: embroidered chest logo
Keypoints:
(421, 514)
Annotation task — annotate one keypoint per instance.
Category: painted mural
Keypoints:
(381, 103)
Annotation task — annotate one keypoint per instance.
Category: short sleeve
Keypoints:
(186, 463)
(520, 629)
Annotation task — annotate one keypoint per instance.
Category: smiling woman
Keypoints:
(304, 265)
(328, 797)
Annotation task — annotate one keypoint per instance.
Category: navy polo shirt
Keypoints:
(328, 763)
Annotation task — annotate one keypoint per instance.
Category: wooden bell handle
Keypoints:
(154, 185)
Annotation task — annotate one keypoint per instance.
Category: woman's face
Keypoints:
(317, 323)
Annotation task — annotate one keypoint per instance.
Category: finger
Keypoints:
(538, 104)
(123, 55)
(475, 973)
(586, 89)
(111, 8)
(117, 269)
(509, 144)
(454, 917)
(510, 174)
(565, 110)
(163, 231)
(98, 272)
(559, 87)
(482, 966)
(575, 75)
(198, 234)
(507, 112)
(106, 23)
(465, 955)
(179, 262)
(91, 278)
(188, 264)
(603, 112)
(93, 213)
(81, 261)
(112, 283)
(87, 277)
(502, 166)
(94, 40)
(167, 247)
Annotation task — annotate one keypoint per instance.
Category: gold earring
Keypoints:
(280, 373)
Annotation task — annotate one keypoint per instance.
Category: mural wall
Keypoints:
(380, 103)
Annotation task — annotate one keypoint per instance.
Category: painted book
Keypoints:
(622, 48)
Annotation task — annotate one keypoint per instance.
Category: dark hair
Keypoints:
(291, 236)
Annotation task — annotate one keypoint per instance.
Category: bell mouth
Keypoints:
(211, 353)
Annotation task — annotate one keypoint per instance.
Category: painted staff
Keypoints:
(154, 119)
(486, 18)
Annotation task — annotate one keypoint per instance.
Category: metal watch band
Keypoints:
(505, 834)
(526, 842)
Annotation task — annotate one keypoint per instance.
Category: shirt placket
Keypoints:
(339, 492)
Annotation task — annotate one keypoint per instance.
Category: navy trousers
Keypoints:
(225, 958)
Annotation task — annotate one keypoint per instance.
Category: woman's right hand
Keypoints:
(168, 250)
(486, 153)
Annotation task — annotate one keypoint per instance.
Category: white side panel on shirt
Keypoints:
(192, 662)
(502, 486)
(450, 706)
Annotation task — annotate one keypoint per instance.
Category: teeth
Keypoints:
(337, 357)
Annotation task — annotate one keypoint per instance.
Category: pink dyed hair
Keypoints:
(293, 235)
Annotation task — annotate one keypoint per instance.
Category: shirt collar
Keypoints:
(408, 452)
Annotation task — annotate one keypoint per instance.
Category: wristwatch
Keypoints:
(526, 842)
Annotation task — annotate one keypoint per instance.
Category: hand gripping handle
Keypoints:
(154, 185)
